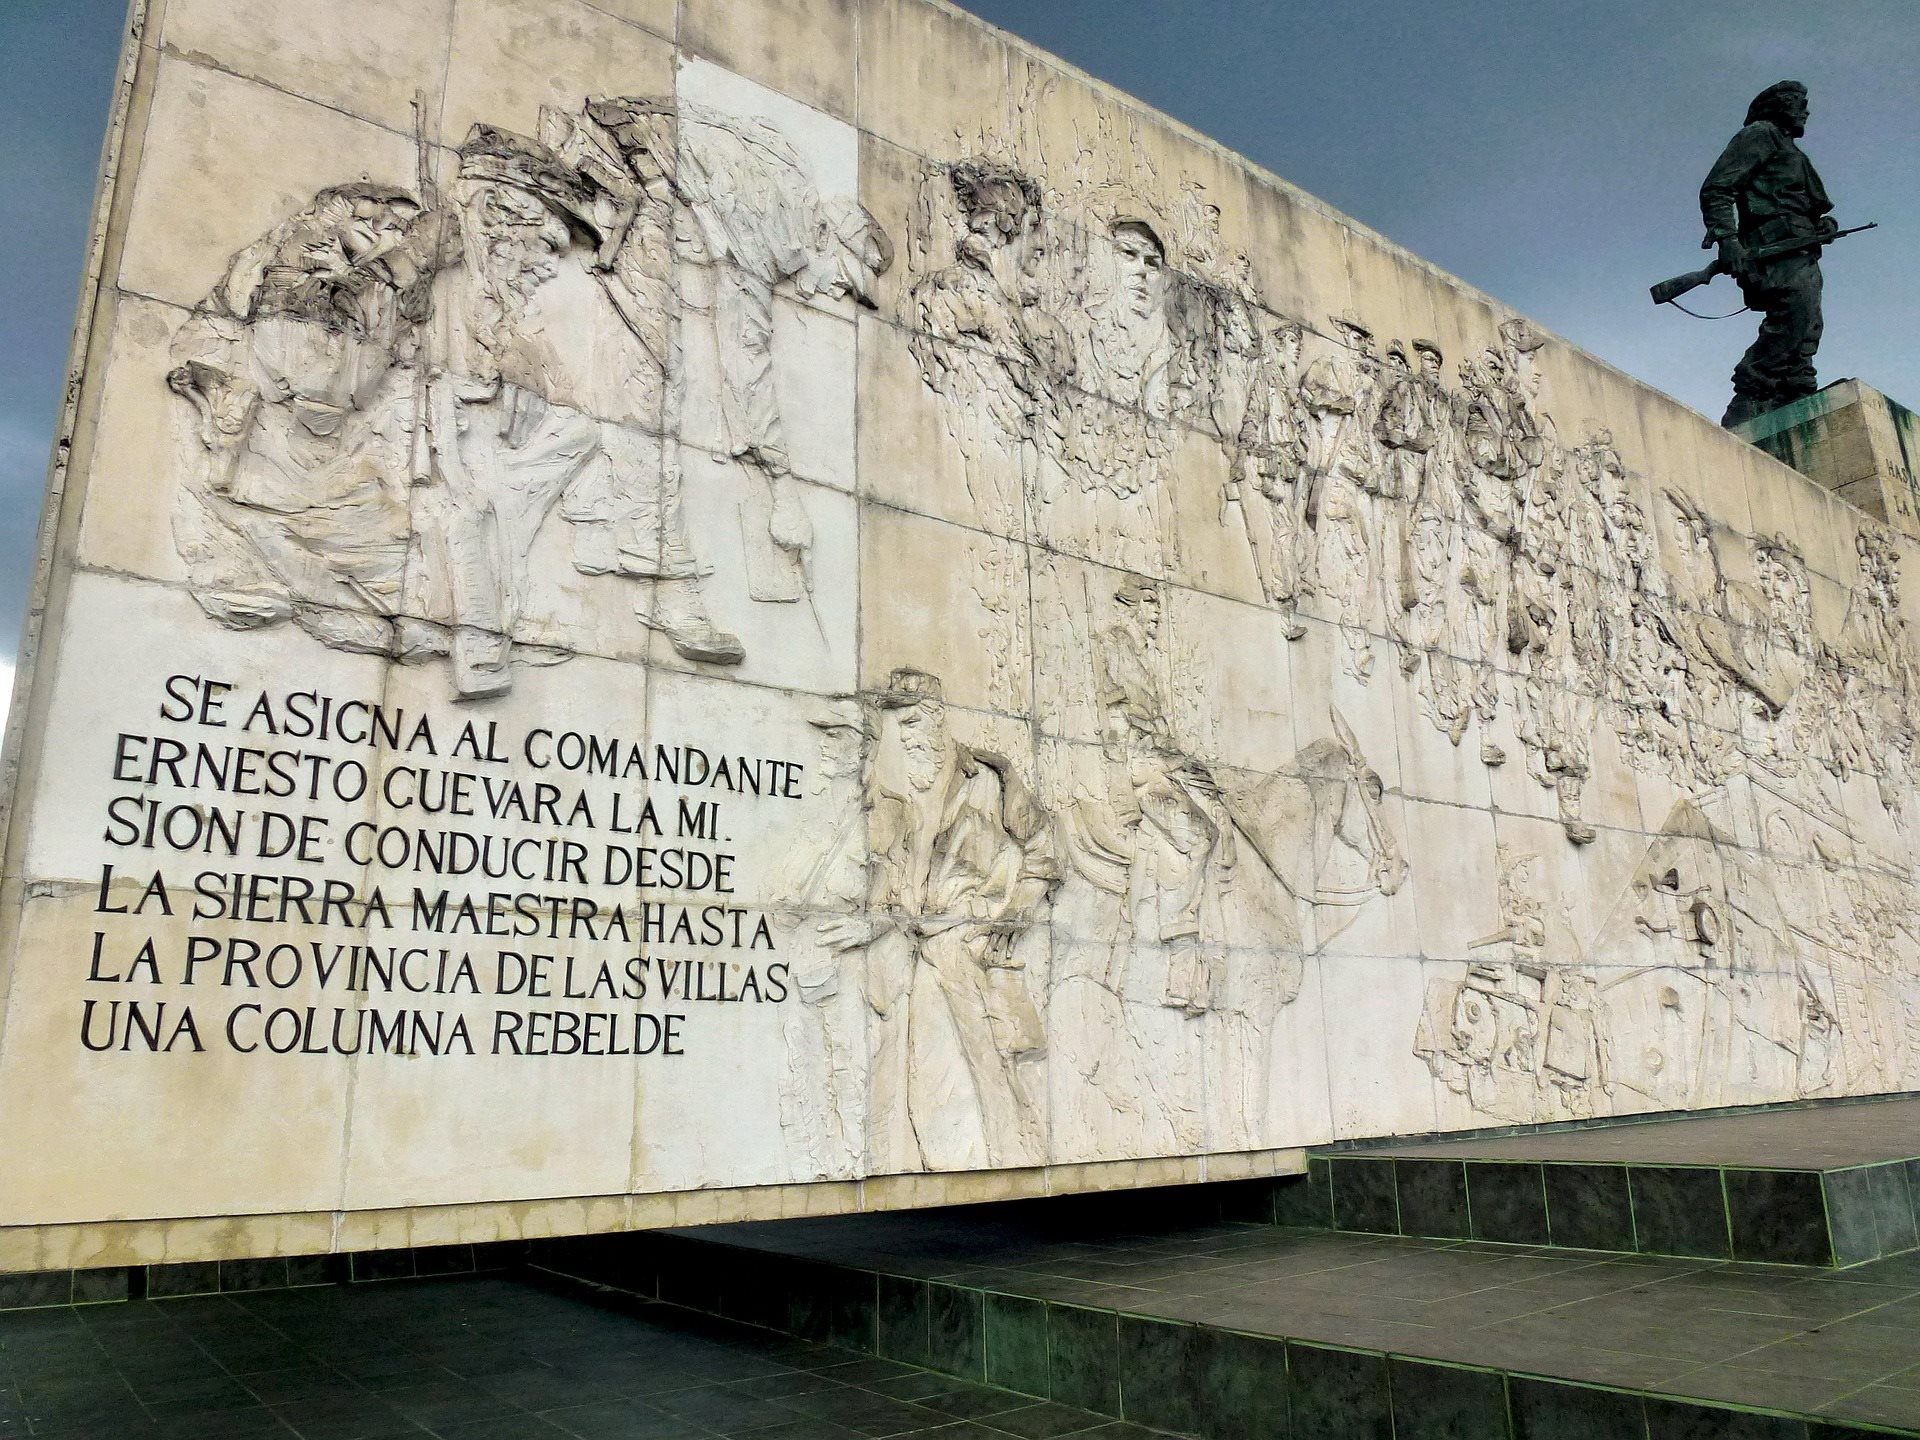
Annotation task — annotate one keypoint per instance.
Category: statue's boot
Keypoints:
(1744, 408)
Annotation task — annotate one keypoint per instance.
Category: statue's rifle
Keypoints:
(1668, 291)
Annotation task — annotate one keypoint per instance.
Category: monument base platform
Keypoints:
(1822, 1185)
(1602, 1282)
(1237, 1330)
(1855, 441)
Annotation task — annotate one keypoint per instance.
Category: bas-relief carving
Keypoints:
(1721, 974)
(823, 1088)
(398, 392)
(1508, 573)
(1090, 967)
(1526, 1027)
(920, 921)
(1192, 894)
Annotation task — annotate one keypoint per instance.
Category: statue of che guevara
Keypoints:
(1761, 194)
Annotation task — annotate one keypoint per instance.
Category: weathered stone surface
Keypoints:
(640, 634)
(1856, 442)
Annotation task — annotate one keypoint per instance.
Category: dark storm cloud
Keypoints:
(1548, 152)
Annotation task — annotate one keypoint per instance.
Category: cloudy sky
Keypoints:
(1548, 151)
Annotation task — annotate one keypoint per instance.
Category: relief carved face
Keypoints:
(1362, 344)
(1784, 582)
(1142, 616)
(922, 733)
(524, 238)
(1287, 347)
(375, 228)
(1143, 267)
(1693, 547)
(1879, 571)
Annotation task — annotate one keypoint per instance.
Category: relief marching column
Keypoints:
(1523, 586)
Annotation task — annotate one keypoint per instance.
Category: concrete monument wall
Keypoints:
(681, 609)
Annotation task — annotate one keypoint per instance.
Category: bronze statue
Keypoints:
(1768, 213)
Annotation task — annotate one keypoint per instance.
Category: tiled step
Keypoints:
(119, 1284)
(1249, 1332)
(1780, 1216)
(1829, 1186)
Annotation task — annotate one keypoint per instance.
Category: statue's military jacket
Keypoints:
(1763, 189)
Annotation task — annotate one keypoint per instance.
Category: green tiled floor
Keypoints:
(471, 1359)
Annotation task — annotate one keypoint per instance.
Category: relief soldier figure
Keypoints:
(1430, 595)
(556, 401)
(1764, 191)
(1407, 429)
(1342, 394)
(1111, 433)
(298, 366)
(1182, 848)
(1493, 463)
(979, 339)
(747, 214)
(963, 862)
(1270, 466)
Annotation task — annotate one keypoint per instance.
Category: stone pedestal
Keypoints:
(1854, 441)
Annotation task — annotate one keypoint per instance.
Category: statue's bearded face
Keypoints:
(1783, 583)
